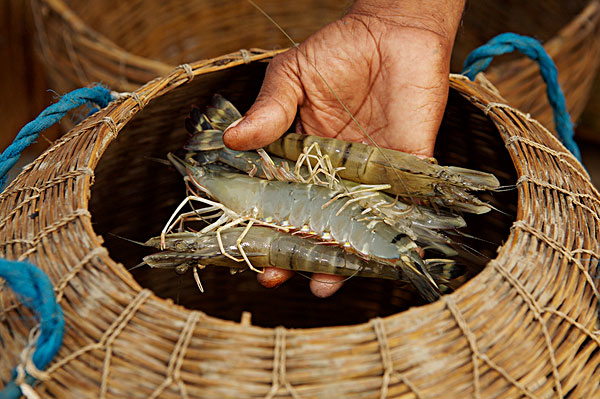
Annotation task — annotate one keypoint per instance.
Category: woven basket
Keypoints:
(125, 44)
(523, 327)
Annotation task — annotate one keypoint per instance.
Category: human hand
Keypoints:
(387, 61)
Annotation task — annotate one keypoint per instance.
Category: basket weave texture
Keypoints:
(125, 44)
(523, 327)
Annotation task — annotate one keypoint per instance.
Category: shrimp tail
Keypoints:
(197, 121)
(444, 270)
(205, 141)
(205, 137)
(221, 113)
(416, 272)
(207, 128)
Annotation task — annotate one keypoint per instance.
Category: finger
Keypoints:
(274, 109)
(273, 277)
(324, 285)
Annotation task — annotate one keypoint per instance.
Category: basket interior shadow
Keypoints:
(134, 195)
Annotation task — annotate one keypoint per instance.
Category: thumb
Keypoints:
(274, 109)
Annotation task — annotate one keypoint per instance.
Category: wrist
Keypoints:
(441, 17)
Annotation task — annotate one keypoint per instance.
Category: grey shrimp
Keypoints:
(267, 247)
(308, 209)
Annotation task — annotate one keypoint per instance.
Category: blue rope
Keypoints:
(51, 115)
(35, 291)
(481, 58)
(31, 284)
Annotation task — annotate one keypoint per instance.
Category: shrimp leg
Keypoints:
(170, 223)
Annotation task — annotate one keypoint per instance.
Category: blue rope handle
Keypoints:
(51, 115)
(480, 59)
(32, 285)
(34, 289)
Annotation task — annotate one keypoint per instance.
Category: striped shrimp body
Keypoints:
(416, 221)
(408, 175)
(311, 210)
(266, 247)
(207, 146)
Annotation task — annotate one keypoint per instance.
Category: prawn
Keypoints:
(448, 186)
(206, 146)
(406, 174)
(267, 247)
(308, 209)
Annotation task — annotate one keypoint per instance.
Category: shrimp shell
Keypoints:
(271, 248)
(408, 175)
(419, 178)
(314, 211)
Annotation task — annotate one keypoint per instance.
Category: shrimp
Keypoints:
(419, 178)
(307, 209)
(407, 175)
(267, 247)
(206, 146)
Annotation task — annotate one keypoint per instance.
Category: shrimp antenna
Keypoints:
(472, 251)
(339, 100)
(459, 233)
(507, 187)
(499, 210)
(127, 239)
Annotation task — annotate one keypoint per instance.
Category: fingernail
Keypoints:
(234, 124)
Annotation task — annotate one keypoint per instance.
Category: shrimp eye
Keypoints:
(197, 172)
